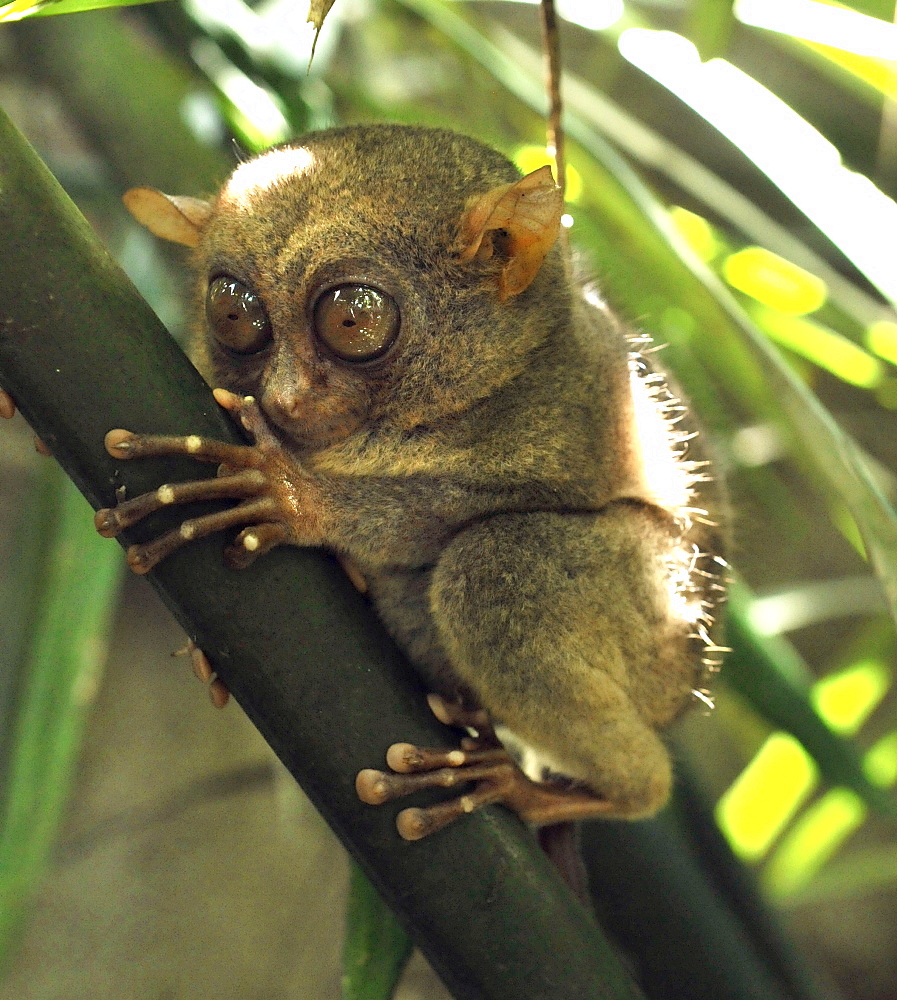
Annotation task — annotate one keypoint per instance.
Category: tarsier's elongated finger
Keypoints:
(110, 522)
(126, 444)
(142, 558)
(377, 787)
(253, 542)
(246, 410)
(406, 758)
(415, 823)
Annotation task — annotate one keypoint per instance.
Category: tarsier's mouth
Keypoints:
(313, 431)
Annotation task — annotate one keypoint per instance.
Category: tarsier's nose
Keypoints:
(286, 405)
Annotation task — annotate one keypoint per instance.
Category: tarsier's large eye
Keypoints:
(236, 316)
(357, 322)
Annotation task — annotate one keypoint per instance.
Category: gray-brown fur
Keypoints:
(485, 475)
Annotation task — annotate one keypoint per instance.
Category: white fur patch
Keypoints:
(259, 175)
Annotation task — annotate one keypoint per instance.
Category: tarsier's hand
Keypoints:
(256, 475)
(276, 503)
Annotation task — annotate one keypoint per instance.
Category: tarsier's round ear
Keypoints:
(172, 217)
(520, 220)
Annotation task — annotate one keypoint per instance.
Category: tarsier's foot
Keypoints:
(481, 760)
(251, 474)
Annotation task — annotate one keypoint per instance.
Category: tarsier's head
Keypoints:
(372, 275)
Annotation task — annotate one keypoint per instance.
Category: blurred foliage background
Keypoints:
(732, 176)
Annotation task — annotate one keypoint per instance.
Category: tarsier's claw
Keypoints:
(141, 561)
(412, 824)
(219, 696)
(230, 401)
(246, 409)
(372, 786)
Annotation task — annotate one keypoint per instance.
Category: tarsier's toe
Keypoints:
(120, 443)
(8, 411)
(218, 693)
(406, 758)
(453, 713)
(413, 824)
(7, 405)
(490, 775)
(245, 408)
(106, 522)
(378, 787)
(140, 561)
(372, 786)
(205, 672)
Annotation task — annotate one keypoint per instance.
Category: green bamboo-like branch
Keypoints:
(67, 618)
(299, 649)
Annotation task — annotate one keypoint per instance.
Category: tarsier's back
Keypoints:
(436, 402)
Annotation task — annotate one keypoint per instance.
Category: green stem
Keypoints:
(295, 644)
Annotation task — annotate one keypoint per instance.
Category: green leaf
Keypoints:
(19, 9)
(709, 23)
(69, 625)
(629, 219)
(376, 948)
(769, 674)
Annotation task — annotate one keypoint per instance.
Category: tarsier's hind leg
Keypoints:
(576, 641)
(563, 626)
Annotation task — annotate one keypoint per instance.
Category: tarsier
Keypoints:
(387, 313)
